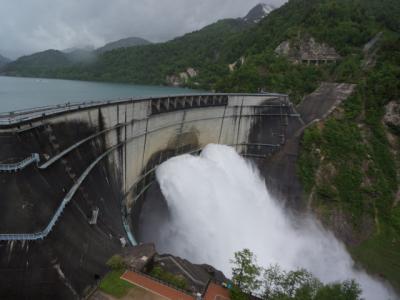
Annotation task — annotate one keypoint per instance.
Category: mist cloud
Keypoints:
(28, 26)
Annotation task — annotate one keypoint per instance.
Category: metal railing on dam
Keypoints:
(159, 104)
(158, 118)
(68, 197)
(42, 234)
(18, 166)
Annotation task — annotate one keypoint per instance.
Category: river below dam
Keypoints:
(21, 93)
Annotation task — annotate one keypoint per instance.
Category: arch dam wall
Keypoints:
(72, 178)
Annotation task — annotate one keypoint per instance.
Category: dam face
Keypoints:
(73, 178)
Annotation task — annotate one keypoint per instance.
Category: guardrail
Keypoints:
(42, 234)
(15, 167)
(25, 115)
(16, 117)
(63, 153)
(68, 197)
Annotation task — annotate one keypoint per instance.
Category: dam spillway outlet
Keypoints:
(217, 203)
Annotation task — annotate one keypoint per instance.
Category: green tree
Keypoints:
(302, 285)
(348, 290)
(116, 262)
(278, 284)
(237, 294)
(298, 284)
(245, 271)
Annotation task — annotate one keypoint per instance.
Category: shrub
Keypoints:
(116, 262)
(168, 277)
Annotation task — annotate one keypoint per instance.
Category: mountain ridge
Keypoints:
(123, 43)
(220, 31)
(259, 12)
(4, 60)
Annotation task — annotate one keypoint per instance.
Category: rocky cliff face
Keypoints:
(307, 49)
(392, 116)
(182, 78)
(259, 12)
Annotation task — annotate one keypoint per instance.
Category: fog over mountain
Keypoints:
(3, 60)
(59, 24)
(127, 42)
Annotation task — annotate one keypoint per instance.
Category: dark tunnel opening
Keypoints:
(153, 216)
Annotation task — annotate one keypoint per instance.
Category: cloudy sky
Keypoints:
(28, 26)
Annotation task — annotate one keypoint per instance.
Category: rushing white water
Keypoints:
(219, 204)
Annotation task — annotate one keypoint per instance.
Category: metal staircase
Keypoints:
(15, 167)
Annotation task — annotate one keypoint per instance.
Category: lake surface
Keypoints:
(21, 93)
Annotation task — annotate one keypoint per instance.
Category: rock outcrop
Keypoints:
(236, 64)
(182, 78)
(259, 12)
(392, 115)
(370, 50)
(307, 50)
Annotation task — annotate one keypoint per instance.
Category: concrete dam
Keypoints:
(73, 178)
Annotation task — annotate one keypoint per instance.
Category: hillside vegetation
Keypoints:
(147, 64)
(349, 163)
(123, 43)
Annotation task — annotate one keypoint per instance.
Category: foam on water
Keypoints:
(219, 204)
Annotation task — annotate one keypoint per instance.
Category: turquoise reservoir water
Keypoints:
(21, 93)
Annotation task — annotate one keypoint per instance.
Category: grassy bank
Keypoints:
(113, 285)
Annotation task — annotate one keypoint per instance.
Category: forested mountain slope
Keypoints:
(201, 50)
(123, 43)
(349, 164)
